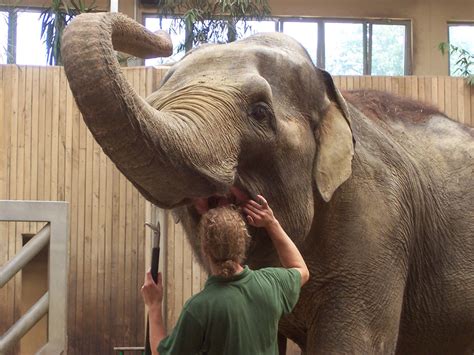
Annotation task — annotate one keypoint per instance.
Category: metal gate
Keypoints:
(54, 301)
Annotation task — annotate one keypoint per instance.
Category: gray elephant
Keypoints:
(376, 191)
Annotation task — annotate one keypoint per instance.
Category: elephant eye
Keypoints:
(260, 111)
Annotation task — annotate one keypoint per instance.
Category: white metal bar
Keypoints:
(58, 278)
(24, 324)
(28, 252)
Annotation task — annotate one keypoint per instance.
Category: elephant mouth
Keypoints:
(236, 196)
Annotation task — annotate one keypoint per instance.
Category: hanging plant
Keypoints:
(54, 20)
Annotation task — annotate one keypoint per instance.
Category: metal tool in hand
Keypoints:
(155, 260)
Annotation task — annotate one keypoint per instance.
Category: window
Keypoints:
(20, 38)
(366, 47)
(3, 37)
(304, 32)
(461, 36)
(343, 47)
(388, 49)
(30, 48)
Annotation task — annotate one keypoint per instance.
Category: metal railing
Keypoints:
(53, 302)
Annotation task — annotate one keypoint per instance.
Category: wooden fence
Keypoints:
(47, 153)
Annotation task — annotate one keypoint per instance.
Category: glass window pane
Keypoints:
(344, 48)
(462, 37)
(3, 37)
(30, 48)
(177, 36)
(388, 49)
(306, 33)
(253, 27)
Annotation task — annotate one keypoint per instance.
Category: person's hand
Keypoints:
(152, 292)
(259, 215)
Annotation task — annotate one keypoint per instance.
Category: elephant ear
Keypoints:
(336, 143)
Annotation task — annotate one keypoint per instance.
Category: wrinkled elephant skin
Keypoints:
(376, 191)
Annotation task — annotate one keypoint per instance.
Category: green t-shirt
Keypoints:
(237, 315)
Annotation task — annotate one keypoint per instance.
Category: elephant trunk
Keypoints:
(141, 141)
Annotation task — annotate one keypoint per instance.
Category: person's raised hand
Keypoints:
(259, 214)
(152, 292)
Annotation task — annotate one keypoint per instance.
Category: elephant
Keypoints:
(377, 191)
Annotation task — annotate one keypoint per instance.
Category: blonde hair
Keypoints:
(224, 238)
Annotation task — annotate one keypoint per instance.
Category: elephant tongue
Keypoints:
(235, 196)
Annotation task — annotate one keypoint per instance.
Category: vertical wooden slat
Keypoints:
(187, 267)
(454, 98)
(472, 105)
(55, 126)
(460, 101)
(434, 91)
(196, 270)
(48, 135)
(88, 322)
(4, 178)
(441, 94)
(447, 97)
(96, 239)
(34, 133)
(467, 104)
(350, 83)
(109, 255)
(27, 110)
(20, 186)
(421, 89)
(41, 133)
(65, 133)
(101, 169)
(11, 111)
(428, 89)
(71, 192)
(171, 284)
(81, 187)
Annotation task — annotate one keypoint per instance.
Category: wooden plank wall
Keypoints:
(47, 153)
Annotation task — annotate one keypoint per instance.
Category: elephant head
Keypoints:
(228, 122)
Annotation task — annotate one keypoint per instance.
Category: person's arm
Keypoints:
(261, 215)
(152, 294)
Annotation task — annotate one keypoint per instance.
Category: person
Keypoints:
(238, 310)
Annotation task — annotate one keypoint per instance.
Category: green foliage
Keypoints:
(463, 61)
(54, 20)
(212, 20)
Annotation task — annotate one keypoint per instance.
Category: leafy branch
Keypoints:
(465, 61)
(212, 20)
(54, 20)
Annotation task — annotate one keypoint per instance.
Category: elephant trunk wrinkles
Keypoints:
(142, 142)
